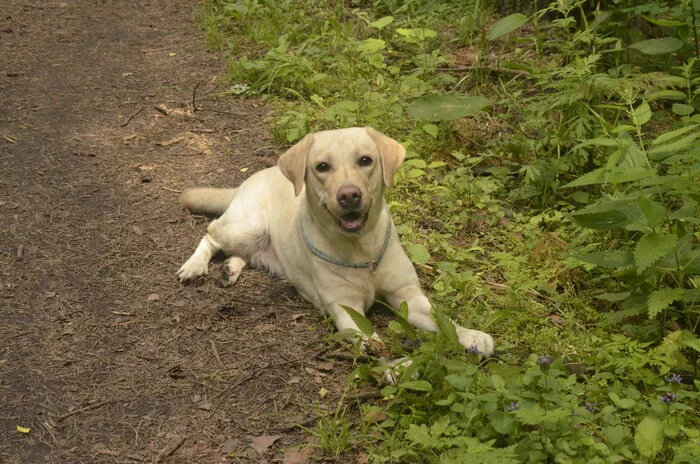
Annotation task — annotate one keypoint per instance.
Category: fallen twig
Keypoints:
(170, 448)
(161, 109)
(173, 141)
(88, 408)
(215, 351)
(128, 120)
(194, 98)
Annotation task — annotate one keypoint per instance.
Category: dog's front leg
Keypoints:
(198, 264)
(344, 322)
(419, 315)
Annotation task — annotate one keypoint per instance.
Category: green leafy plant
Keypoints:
(549, 196)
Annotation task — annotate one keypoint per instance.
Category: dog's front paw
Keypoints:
(372, 344)
(192, 269)
(395, 369)
(475, 340)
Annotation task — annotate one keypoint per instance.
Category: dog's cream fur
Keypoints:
(332, 182)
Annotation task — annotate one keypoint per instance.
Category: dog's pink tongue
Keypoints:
(352, 222)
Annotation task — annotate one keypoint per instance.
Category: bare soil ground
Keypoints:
(104, 356)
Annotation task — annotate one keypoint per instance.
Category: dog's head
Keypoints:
(344, 172)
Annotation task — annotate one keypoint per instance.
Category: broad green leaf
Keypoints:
(651, 248)
(370, 45)
(445, 326)
(679, 145)
(504, 426)
(602, 220)
(627, 403)
(600, 142)
(498, 383)
(653, 211)
(612, 205)
(446, 107)
(689, 339)
(649, 437)
(580, 197)
(459, 382)
(614, 397)
(440, 427)
(415, 173)
(692, 295)
(417, 35)
(417, 385)
(431, 129)
(360, 320)
(658, 46)
(594, 177)
(614, 259)
(635, 304)
(418, 253)
(619, 176)
(615, 297)
(416, 163)
(623, 403)
(507, 25)
(633, 158)
(531, 416)
(622, 128)
(614, 214)
(664, 22)
(670, 135)
(682, 109)
(642, 114)
(667, 95)
(401, 315)
(661, 299)
(381, 23)
(419, 435)
(615, 435)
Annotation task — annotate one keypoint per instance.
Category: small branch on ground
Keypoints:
(128, 120)
(88, 408)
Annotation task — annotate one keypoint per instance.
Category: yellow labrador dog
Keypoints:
(319, 220)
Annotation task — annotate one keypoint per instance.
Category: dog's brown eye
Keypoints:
(323, 167)
(365, 161)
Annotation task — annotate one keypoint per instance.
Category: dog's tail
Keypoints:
(207, 201)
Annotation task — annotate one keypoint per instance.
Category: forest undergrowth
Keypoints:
(549, 197)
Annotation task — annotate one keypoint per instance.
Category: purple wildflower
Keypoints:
(544, 360)
(668, 398)
(512, 407)
(473, 349)
(590, 406)
(675, 378)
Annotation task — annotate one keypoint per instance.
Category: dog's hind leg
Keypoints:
(231, 270)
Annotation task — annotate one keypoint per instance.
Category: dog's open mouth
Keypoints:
(350, 222)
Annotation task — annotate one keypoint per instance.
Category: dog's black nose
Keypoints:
(349, 197)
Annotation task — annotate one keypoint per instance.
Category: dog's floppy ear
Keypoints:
(293, 163)
(391, 152)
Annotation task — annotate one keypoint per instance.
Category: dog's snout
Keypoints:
(349, 196)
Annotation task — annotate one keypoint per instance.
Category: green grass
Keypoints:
(549, 197)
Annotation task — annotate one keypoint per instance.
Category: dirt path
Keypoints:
(103, 355)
